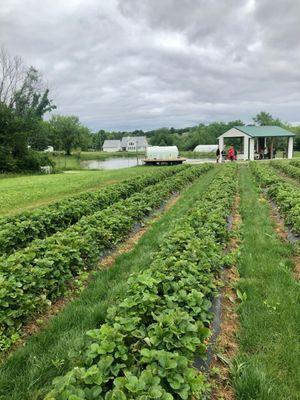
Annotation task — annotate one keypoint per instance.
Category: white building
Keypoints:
(111, 145)
(206, 148)
(162, 153)
(134, 143)
(49, 149)
(254, 139)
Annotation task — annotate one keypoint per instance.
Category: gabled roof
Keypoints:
(112, 143)
(264, 131)
(139, 140)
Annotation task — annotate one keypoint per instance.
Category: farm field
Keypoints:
(27, 192)
(131, 326)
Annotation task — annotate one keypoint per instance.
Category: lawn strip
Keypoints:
(267, 366)
(48, 354)
(28, 192)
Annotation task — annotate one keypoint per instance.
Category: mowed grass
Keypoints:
(268, 364)
(29, 371)
(30, 191)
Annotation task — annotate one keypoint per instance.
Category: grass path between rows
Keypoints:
(268, 364)
(29, 371)
(27, 192)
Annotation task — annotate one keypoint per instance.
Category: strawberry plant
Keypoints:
(289, 169)
(152, 335)
(18, 231)
(285, 194)
(32, 278)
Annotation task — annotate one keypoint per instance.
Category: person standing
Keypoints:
(235, 153)
(223, 154)
(218, 155)
(231, 153)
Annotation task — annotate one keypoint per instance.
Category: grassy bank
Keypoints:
(48, 354)
(31, 191)
(268, 365)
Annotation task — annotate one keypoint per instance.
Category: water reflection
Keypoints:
(123, 162)
(111, 163)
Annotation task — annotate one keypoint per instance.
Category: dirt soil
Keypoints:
(226, 345)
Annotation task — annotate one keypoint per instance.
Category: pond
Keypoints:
(126, 162)
(111, 163)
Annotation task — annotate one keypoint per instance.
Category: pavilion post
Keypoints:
(251, 150)
(290, 147)
(221, 147)
(271, 148)
(246, 147)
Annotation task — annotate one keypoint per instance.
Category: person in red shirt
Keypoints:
(231, 154)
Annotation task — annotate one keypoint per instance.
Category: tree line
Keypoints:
(25, 101)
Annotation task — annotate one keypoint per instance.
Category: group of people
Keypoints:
(231, 154)
(265, 153)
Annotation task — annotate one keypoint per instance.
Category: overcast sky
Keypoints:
(128, 64)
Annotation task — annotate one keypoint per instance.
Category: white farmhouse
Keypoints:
(111, 145)
(134, 143)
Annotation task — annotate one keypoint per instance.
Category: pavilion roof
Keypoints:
(264, 131)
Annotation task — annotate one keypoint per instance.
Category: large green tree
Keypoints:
(265, 118)
(31, 100)
(69, 132)
(24, 99)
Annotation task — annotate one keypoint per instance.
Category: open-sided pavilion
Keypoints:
(254, 139)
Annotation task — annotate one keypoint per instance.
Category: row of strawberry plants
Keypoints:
(18, 231)
(35, 276)
(287, 168)
(295, 163)
(285, 194)
(146, 348)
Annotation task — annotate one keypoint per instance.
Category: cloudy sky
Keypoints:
(128, 64)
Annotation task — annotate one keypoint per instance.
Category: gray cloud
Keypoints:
(131, 64)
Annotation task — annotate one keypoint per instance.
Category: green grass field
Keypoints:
(30, 191)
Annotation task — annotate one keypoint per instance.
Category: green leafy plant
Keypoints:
(285, 194)
(145, 350)
(19, 231)
(34, 277)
